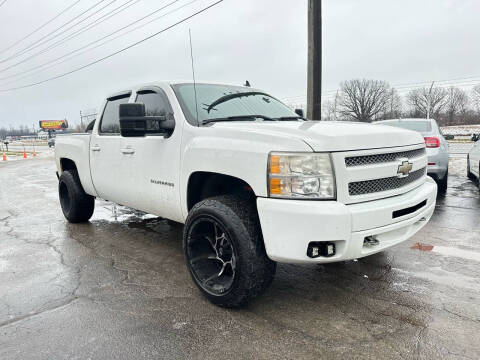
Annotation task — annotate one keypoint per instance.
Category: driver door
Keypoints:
(150, 164)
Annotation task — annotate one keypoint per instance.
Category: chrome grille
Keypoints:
(383, 158)
(383, 184)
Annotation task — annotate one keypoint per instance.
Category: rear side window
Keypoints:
(156, 104)
(110, 120)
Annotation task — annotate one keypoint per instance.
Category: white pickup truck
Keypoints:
(253, 181)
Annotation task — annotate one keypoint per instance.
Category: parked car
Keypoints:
(437, 147)
(253, 181)
(473, 163)
(51, 142)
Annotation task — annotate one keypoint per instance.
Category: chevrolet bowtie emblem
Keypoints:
(404, 168)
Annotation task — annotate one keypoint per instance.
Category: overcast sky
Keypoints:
(264, 41)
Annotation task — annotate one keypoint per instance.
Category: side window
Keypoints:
(155, 103)
(110, 120)
(90, 126)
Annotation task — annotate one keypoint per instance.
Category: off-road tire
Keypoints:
(443, 184)
(77, 206)
(469, 174)
(254, 271)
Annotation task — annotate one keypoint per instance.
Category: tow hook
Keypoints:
(370, 241)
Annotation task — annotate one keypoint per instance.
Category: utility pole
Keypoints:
(429, 100)
(314, 81)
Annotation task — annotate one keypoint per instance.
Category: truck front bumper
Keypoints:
(289, 226)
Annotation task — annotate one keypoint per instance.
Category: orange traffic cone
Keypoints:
(34, 154)
(4, 156)
(24, 154)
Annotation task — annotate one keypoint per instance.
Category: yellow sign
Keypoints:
(53, 124)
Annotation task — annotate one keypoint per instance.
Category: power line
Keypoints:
(96, 22)
(106, 36)
(52, 32)
(116, 52)
(95, 41)
(40, 43)
(40, 27)
(73, 35)
(3, 2)
(92, 48)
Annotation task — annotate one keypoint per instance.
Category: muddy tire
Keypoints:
(77, 206)
(224, 251)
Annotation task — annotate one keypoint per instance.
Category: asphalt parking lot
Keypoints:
(117, 288)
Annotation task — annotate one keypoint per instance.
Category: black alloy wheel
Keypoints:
(211, 255)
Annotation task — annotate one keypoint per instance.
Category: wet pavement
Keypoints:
(117, 287)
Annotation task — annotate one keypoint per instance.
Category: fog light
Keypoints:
(321, 248)
(330, 250)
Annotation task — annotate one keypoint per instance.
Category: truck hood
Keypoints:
(331, 135)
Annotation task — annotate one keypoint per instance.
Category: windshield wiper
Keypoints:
(233, 96)
(286, 118)
(238, 118)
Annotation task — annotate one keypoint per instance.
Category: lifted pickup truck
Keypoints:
(253, 182)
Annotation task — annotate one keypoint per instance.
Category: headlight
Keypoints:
(300, 175)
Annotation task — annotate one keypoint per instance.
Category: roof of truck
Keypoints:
(169, 83)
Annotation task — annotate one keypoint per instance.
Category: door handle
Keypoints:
(127, 151)
(95, 148)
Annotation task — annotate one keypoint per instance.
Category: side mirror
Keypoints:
(134, 122)
(299, 112)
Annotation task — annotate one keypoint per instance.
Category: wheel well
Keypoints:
(202, 185)
(67, 164)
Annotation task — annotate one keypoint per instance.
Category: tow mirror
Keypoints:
(134, 122)
(299, 112)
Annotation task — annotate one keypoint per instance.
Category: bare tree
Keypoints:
(362, 100)
(420, 99)
(457, 104)
(475, 97)
(393, 107)
(328, 110)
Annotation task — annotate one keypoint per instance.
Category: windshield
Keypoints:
(254, 104)
(420, 126)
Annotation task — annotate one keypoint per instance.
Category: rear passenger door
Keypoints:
(105, 154)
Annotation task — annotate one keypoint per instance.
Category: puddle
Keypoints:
(455, 252)
(448, 251)
(443, 277)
